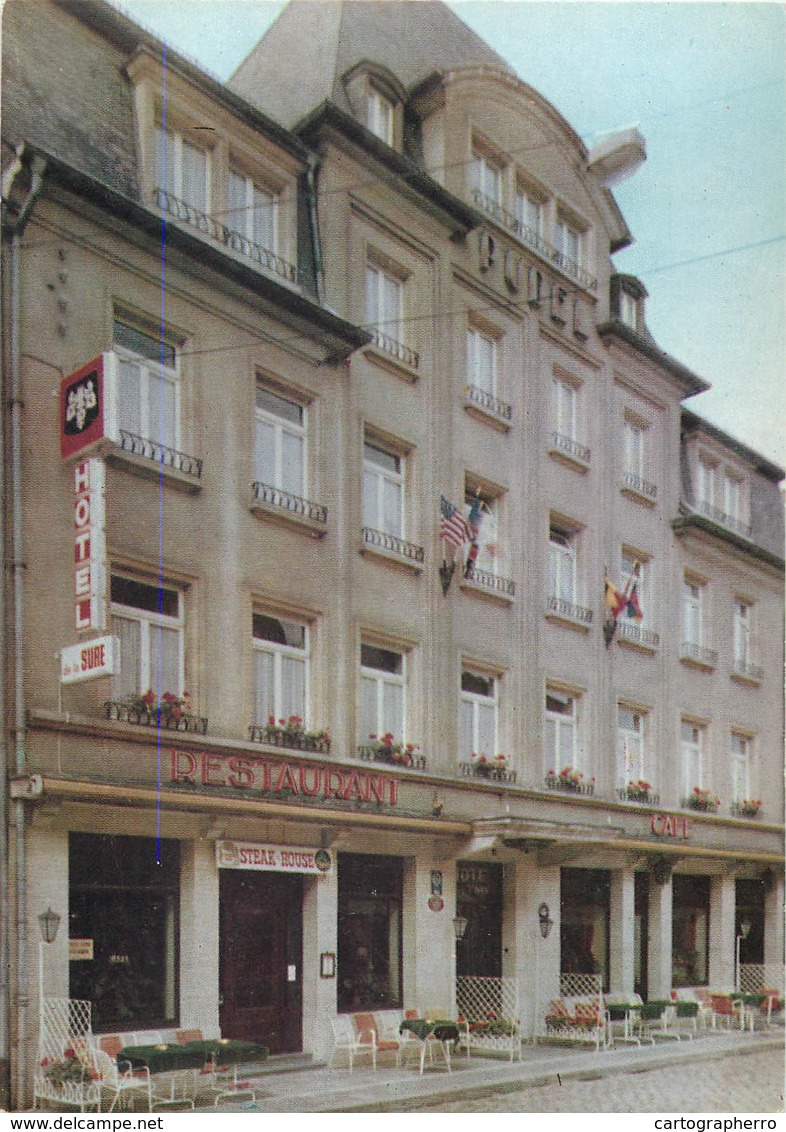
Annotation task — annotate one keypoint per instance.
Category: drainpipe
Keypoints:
(15, 221)
(313, 215)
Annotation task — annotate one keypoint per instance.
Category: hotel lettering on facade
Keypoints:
(310, 507)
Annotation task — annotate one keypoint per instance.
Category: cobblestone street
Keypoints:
(744, 1083)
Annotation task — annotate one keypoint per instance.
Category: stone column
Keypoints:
(429, 945)
(773, 930)
(199, 937)
(320, 928)
(722, 937)
(659, 945)
(621, 951)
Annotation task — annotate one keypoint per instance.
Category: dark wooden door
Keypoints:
(261, 958)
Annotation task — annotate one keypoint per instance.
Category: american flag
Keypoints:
(452, 524)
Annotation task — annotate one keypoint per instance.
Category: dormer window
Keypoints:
(568, 242)
(629, 310)
(182, 168)
(252, 210)
(380, 116)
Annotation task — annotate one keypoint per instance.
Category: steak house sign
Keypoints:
(306, 780)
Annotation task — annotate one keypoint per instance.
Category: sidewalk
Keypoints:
(283, 1086)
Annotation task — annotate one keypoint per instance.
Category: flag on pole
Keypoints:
(632, 606)
(453, 527)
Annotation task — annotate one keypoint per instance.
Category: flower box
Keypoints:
(702, 800)
(748, 808)
(156, 715)
(638, 792)
(291, 734)
(387, 750)
(571, 781)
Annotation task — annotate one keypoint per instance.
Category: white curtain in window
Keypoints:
(264, 686)
(162, 402)
(129, 680)
(165, 659)
(194, 176)
(129, 408)
(562, 568)
(293, 686)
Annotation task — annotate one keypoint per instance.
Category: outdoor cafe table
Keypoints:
(749, 1007)
(172, 1058)
(428, 1030)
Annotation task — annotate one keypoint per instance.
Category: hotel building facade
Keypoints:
(268, 730)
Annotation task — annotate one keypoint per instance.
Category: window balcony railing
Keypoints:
(294, 738)
(487, 770)
(641, 793)
(166, 720)
(160, 454)
(533, 240)
(489, 403)
(571, 782)
(568, 609)
(635, 634)
(292, 504)
(570, 447)
(393, 756)
(634, 482)
(381, 540)
(723, 519)
(492, 582)
(747, 670)
(232, 239)
(395, 349)
(698, 654)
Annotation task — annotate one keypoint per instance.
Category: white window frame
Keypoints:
(631, 745)
(643, 583)
(564, 408)
(740, 757)
(692, 743)
(280, 653)
(150, 374)
(528, 211)
(634, 446)
(488, 177)
(282, 428)
(563, 564)
(490, 525)
(475, 704)
(734, 498)
(742, 633)
(377, 480)
(382, 679)
(707, 482)
(568, 240)
(692, 612)
(147, 677)
(171, 178)
(384, 300)
(562, 721)
(482, 360)
(244, 216)
(381, 116)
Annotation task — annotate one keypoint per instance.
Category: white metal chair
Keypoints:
(345, 1037)
(120, 1082)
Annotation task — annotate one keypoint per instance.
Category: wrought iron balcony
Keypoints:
(633, 793)
(635, 634)
(570, 784)
(533, 240)
(487, 770)
(397, 755)
(292, 504)
(570, 447)
(637, 483)
(567, 609)
(293, 739)
(232, 239)
(492, 582)
(730, 522)
(747, 670)
(166, 720)
(160, 454)
(397, 350)
(489, 403)
(381, 540)
(698, 654)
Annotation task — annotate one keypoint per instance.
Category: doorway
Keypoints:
(261, 949)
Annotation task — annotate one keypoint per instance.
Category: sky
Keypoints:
(704, 84)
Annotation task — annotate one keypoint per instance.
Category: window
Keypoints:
(690, 931)
(692, 745)
(629, 310)
(280, 441)
(380, 116)
(383, 490)
(148, 385)
(479, 714)
(563, 408)
(742, 641)
(182, 169)
(382, 692)
(487, 179)
(562, 565)
(483, 512)
(740, 767)
(123, 895)
(384, 300)
(369, 932)
(585, 920)
(482, 361)
(635, 576)
(281, 653)
(148, 619)
(529, 212)
(630, 746)
(734, 502)
(633, 448)
(692, 620)
(562, 749)
(707, 477)
(568, 242)
(480, 901)
(252, 210)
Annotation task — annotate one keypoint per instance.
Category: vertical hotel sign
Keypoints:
(82, 429)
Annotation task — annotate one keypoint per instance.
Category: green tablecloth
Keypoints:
(442, 1029)
(749, 999)
(191, 1055)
